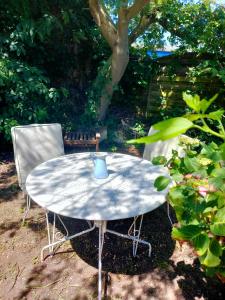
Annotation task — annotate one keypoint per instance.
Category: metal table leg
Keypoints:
(62, 240)
(135, 231)
(102, 229)
(134, 239)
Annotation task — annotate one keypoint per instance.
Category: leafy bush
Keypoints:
(198, 196)
(25, 96)
(199, 202)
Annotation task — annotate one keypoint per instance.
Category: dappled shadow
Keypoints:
(36, 224)
(67, 186)
(40, 277)
(9, 188)
(117, 252)
(193, 282)
(55, 276)
(153, 274)
(10, 226)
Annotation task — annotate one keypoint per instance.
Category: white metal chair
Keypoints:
(160, 148)
(32, 145)
(163, 148)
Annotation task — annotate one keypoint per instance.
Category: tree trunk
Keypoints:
(119, 61)
(117, 38)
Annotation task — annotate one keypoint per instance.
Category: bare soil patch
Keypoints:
(173, 272)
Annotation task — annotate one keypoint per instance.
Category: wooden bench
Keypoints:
(82, 139)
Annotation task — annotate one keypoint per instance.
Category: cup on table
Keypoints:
(100, 167)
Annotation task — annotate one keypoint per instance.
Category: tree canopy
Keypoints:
(59, 58)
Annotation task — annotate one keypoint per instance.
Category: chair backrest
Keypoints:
(163, 148)
(34, 144)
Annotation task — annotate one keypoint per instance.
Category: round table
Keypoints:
(66, 186)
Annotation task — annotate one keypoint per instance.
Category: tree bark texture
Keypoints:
(118, 39)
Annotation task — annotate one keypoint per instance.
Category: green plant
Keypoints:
(198, 199)
(25, 96)
(139, 129)
(198, 196)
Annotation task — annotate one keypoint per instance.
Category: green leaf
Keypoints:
(201, 243)
(220, 199)
(191, 164)
(176, 196)
(204, 104)
(177, 176)
(166, 129)
(218, 178)
(220, 215)
(194, 117)
(161, 183)
(215, 248)
(222, 151)
(212, 151)
(216, 115)
(211, 271)
(187, 232)
(218, 183)
(210, 260)
(220, 172)
(192, 101)
(218, 228)
(159, 160)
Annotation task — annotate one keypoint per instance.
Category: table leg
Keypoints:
(135, 239)
(64, 239)
(136, 232)
(102, 229)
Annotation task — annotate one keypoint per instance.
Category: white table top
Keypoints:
(66, 186)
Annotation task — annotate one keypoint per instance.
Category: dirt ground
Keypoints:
(172, 272)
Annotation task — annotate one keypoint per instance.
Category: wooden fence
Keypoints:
(166, 87)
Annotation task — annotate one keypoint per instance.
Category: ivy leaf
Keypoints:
(161, 182)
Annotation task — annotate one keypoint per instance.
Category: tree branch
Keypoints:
(165, 23)
(104, 22)
(145, 22)
(136, 8)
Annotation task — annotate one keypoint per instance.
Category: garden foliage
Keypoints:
(198, 196)
(44, 70)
